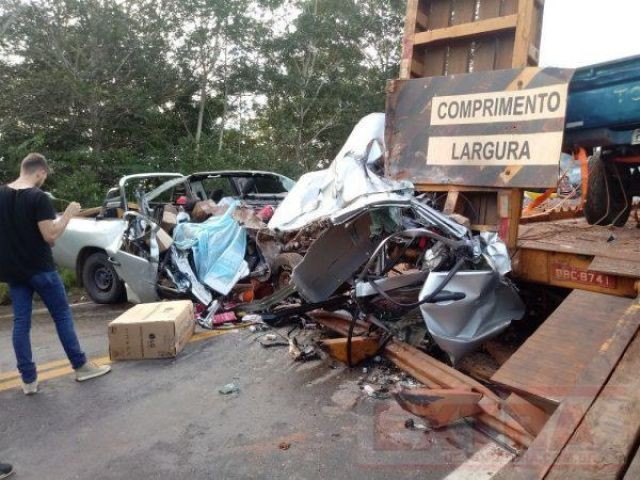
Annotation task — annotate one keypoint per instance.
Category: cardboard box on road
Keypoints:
(151, 330)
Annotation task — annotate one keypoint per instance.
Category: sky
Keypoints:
(583, 32)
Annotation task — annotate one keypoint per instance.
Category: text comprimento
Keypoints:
(507, 106)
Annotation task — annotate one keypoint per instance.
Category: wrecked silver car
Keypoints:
(384, 253)
(125, 249)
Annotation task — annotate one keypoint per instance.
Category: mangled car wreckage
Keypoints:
(380, 251)
(124, 249)
(342, 238)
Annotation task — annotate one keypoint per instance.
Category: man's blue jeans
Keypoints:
(51, 290)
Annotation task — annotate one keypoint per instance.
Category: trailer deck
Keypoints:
(594, 431)
(573, 254)
(576, 236)
(551, 360)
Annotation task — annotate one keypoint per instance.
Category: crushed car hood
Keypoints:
(348, 183)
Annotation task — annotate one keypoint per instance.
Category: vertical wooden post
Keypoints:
(524, 33)
(452, 202)
(406, 61)
(509, 212)
(581, 155)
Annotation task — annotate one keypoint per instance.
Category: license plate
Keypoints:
(569, 273)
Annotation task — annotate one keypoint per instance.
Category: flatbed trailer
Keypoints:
(573, 254)
(580, 365)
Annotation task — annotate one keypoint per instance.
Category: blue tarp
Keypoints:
(219, 246)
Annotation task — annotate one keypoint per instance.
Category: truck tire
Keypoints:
(282, 268)
(606, 198)
(101, 281)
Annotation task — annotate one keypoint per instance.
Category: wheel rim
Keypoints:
(103, 278)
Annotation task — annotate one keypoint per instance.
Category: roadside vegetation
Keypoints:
(108, 88)
(4, 294)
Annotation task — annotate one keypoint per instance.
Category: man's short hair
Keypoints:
(34, 162)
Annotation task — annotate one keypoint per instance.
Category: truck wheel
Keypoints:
(101, 281)
(282, 268)
(606, 199)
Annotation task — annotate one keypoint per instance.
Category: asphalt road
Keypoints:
(166, 419)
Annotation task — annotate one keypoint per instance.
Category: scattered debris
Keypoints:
(284, 445)
(229, 389)
(261, 327)
(410, 424)
(379, 393)
(302, 353)
(272, 343)
(272, 340)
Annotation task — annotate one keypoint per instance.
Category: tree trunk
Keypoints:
(224, 99)
(203, 101)
(223, 121)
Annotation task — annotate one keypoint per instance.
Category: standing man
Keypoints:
(28, 229)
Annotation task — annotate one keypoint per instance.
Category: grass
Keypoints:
(4, 294)
(68, 278)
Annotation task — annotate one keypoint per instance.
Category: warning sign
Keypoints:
(495, 129)
(538, 148)
(529, 105)
(518, 106)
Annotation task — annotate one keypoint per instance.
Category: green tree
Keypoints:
(327, 70)
(106, 88)
(213, 47)
(85, 81)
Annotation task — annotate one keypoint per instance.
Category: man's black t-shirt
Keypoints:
(23, 251)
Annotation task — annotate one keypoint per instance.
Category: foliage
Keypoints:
(109, 88)
(323, 74)
(68, 278)
(4, 294)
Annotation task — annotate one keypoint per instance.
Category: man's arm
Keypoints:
(51, 230)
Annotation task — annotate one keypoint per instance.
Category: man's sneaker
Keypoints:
(6, 470)
(90, 370)
(29, 389)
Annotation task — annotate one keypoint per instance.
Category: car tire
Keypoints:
(607, 202)
(282, 268)
(101, 281)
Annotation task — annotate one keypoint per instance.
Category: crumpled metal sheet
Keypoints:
(333, 259)
(424, 213)
(186, 277)
(139, 274)
(496, 253)
(459, 327)
(348, 182)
